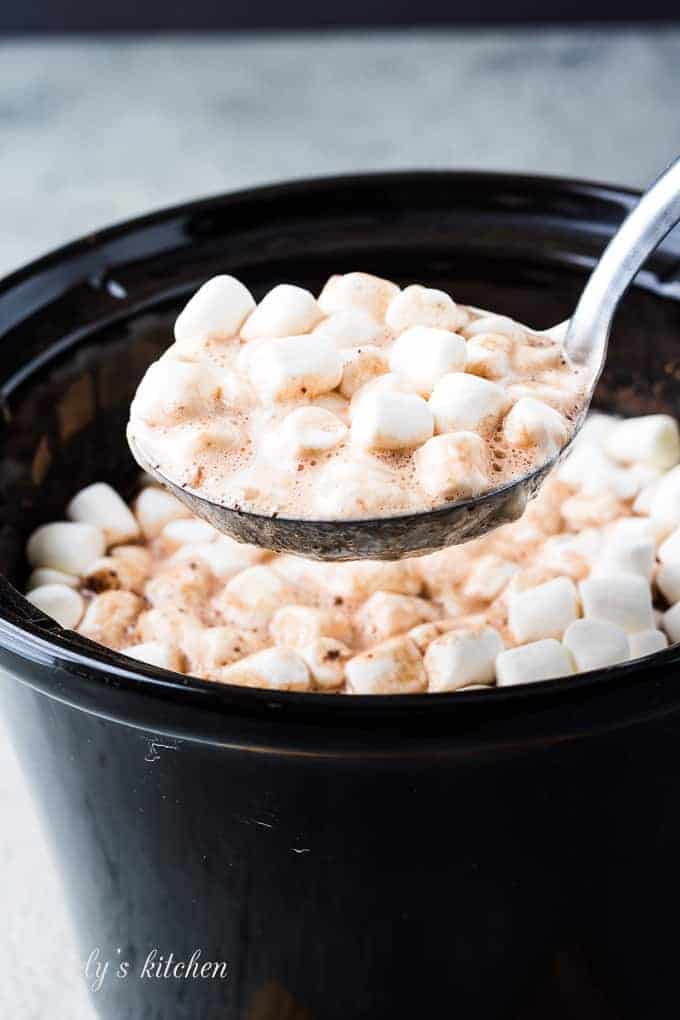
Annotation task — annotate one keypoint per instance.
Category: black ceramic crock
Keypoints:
(512, 854)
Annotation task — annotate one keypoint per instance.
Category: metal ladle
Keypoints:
(584, 338)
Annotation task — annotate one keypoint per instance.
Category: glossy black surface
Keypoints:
(498, 855)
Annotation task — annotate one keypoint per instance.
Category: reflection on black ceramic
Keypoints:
(505, 855)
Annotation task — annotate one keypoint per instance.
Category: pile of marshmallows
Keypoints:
(589, 577)
(366, 369)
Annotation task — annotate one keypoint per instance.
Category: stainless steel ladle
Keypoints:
(585, 337)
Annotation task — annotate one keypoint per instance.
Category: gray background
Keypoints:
(94, 131)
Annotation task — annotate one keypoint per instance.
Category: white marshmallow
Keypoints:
(154, 508)
(462, 657)
(635, 556)
(646, 496)
(217, 310)
(424, 354)
(543, 612)
(350, 327)
(387, 383)
(174, 390)
(391, 421)
(652, 439)
(488, 577)
(594, 644)
(285, 311)
(67, 546)
(385, 614)
(156, 653)
(47, 575)
(533, 423)
(500, 325)
(669, 550)
(101, 505)
(394, 667)
(326, 658)
(625, 600)
(587, 468)
(361, 364)
(463, 402)
(668, 581)
(359, 291)
(223, 555)
(60, 602)
(278, 669)
(424, 306)
(308, 430)
(665, 503)
(294, 367)
(488, 356)
(529, 358)
(357, 486)
(671, 622)
(252, 597)
(540, 660)
(299, 626)
(452, 466)
(647, 642)
(185, 531)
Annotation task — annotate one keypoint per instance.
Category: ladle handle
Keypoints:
(644, 228)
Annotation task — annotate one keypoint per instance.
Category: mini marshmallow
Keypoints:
(309, 430)
(67, 546)
(463, 402)
(174, 390)
(185, 531)
(646, 642)
(395, 667)
(361, 364)
(284, 311)
(594, 644)
(356, 487)
(424, 354)
(184, 584)
(543, 612)
(224, 556)
(540, 660)
(350, 327)
(580, 512)
(671, 622)
(668, 581)
(101, 505)
(294, 367)
(452, 466)
(111, 617)
(488, 356)
(217, 310)
(127, 566)
(299, 626)
(635, 556)
(59, 602)
(278, 669)
(488, 577)
(533, 423)
(47, 575)
(390, 382)
(154, 508)
(252, 597)
(211, 648)
(424, 306)
(385, 614)
(665, 503)
(669, 550)
(625, 600)
(652, 439)
(646, 496)
(462, 657)
(326, 658)
(358, 291)
(499, 325)
(391, 421)
(156, 653)
(587, 468)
